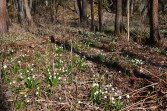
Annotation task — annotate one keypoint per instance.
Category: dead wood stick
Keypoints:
(137, 103)
(138, 90)
(153, 75)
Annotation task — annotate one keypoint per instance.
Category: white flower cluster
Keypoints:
(95, 84)
(137, 61)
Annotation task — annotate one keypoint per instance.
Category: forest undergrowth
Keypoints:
(82, 70)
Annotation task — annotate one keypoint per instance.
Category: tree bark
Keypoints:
(30, 5)
(51, 12)
(30, 21)
(76, 11)
(154, 25)
(92, 16)
(100, 13)
(80, 9)
(3, 24)
(131, 7)
(84, 13)
(20, 16)
(119, 18)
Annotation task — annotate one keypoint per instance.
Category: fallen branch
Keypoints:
(153, 75)
(135, 104)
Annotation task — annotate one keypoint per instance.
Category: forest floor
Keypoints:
(76, 69)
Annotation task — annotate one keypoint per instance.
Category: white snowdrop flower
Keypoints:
(102, 92)
(21, 77)
(59, 78)
(112, 89)
(107, 85)
(48, 70)
(10, 83)
(20, 74)
(28, 78)
(105, 88)
(38, 88)
(49, 73)
(115, 93)
(33, 76)
(54, 73)
(113, 102)
(127, 56)
(5, 66)
(14, 82)
(37, 93)
(27, 71)
(93, 75)
(105, 96)
(59, 98)
(25, 95)
(120, 97)
(110, 85)
(112, 98)
(55, 77)
(28, 101)
(79, 102)
(119, 71)
(31, 69)
(127, 96)
(32, 64)
(106, 92)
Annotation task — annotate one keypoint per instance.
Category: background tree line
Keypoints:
(26, 9)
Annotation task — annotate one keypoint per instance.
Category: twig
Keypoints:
(66, 103)
(137, 103)
(153, 75)
(138, 90)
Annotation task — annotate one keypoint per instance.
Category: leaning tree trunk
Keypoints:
(154, 26)
(92, 16)
(119, 18)
(100, 13)
(84, 13)
(3, 24)
(30, 21)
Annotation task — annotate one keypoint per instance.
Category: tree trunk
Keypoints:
(131, 7)
(76, 11)
(80, 9)
(154, 26)
(100, 13)
(84, 13)
(30, 21)
(30, 5)
(92, 16)
(3, 24)
(51, 12)
(57, 6)
(118, 18)
(20, 16)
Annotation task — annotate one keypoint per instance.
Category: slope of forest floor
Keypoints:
(76, 69)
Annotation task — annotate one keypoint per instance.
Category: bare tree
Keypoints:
(30, 21)
(76, 11)
(92, 16)
(84, 12)
(119, 18)
(100, 13)
(3, 24)
(20, 16)
(154, 25)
